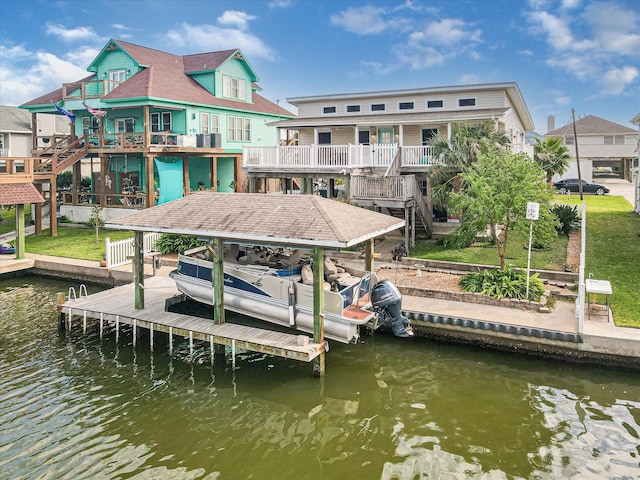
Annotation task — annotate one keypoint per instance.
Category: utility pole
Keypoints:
(575, 141)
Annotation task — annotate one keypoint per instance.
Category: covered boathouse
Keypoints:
(298, 221)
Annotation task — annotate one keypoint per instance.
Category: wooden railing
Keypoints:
(16, 170)
(112, 200)
(121, 252)
(393, 187)
(91, 89)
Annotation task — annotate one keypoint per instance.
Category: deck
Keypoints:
(116, 306)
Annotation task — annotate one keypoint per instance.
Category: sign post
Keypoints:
(533, 212)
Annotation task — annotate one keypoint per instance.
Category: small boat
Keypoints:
(7, 248)
(276, 285)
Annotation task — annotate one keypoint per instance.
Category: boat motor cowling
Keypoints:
(387, 301)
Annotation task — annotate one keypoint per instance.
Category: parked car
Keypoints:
(572, 185)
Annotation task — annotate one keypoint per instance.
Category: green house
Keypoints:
(149, 126)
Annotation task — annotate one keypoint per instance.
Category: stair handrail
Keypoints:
(423, 208)
(394, 167)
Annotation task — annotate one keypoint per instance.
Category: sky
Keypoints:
(580, 55)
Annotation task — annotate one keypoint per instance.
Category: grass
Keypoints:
(613, 253)
(73, 242)
(8, 223)
(487, 254)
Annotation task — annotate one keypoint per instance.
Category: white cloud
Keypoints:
(365, 20)
(563, 100)
(448, 31)
(70, 34)
(616, 30)
(235, 18)
(617, 79)
(45, 72)
(280, 3)
(205, 38)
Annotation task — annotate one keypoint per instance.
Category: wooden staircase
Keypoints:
(64, 153)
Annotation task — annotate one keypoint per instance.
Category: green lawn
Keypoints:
(8, 223)
(486, 254)
(73, 242)
(613, 253)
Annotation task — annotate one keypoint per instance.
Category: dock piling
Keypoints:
(117, 327)
(151, 336)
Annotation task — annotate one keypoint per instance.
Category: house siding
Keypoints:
(236, 69)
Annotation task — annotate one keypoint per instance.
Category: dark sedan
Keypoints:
(572, 185)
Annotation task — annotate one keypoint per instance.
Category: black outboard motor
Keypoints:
(386, 300)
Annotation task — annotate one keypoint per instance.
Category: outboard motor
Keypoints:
(386, 300)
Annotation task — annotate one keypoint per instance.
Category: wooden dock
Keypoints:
(116, 306)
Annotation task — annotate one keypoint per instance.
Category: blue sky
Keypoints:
(564, 54)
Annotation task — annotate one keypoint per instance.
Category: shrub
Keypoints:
(507, 283)
(169, 243)
(568, 217)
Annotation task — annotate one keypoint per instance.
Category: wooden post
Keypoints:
(218, 282)
(138, 269)
(20, 236)
(318, 308)
(185, 176)
(368, 255)
(53, 207)
(37, 214)
(150, 200)
(76, 182)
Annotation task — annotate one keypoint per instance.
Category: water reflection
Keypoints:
(73, 405)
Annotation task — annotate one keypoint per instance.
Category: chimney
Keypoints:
(551, 123)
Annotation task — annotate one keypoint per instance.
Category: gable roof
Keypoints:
(165, 76)
(304, 220)
(592, 125)
(19, 194)
(14, 120)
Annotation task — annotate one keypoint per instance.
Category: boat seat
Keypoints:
(232, 251)
(307, 277)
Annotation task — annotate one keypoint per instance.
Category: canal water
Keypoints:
(74, 406)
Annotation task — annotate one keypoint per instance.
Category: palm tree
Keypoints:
(466, 143)
(552, 155)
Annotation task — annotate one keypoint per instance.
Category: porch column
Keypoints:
(185, 176)
(429, 218)
(138, 269)
(147, 130)
(318, 308)
(413, 229)
(214, 174)
(104, 171)
(347, 187)
(150, 194)
(20, 237)
(407, 227)
(75, 182)
(400, 134)
(449, 132)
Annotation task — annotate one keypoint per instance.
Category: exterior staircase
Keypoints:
(58, 157)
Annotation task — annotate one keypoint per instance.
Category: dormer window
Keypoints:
(235, 88)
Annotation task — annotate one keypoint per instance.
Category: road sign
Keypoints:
(533, 210)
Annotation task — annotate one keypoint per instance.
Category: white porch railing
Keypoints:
(121, 252)
(319, 156)
(419, 156)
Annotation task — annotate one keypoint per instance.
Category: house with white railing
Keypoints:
(377, 143)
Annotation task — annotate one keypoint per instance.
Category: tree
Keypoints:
(495, 192)
(458, 153)
(552, 155)
(96, 220)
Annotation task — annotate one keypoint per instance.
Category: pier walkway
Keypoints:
(116, 307)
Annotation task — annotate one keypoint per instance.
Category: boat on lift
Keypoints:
(276, 285)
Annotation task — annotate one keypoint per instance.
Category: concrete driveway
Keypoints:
(618, 186)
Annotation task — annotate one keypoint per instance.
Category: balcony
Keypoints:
(16, 170)
(331, 158)
(85, 90)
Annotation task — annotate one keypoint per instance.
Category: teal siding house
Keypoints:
(149, 126)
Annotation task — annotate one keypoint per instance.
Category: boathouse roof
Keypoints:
(301, 220)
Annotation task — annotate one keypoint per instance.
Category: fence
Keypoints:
(121, 252)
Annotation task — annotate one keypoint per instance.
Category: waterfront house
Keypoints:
(152, 126)
(374, 146)
(604, 147)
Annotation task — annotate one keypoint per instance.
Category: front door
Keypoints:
(385, 136)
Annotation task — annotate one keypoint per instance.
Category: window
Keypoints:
(18, 166)
(324, 138)
(326, 110)
(208, 123)
(405, 106)
(115, 78)
(568, 140)
(364, 137)
(353, 108)
(160, 122)
(89, 125)
(377, 107)
(125, 125)
(215, 123)
(467, 102)
(614, 139)
(238, 129)
(234, 88)
(1, 141)
(435, 103)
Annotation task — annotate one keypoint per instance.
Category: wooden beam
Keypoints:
(368, 255)
(138, 269)
(150, 200)
(38, 211)
(185, 176)
(318, 308)
(53, 207)
(217, 277)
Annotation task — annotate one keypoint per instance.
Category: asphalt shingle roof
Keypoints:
(308, 220)
(19, 194)
(14, 120)
(592, 125)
